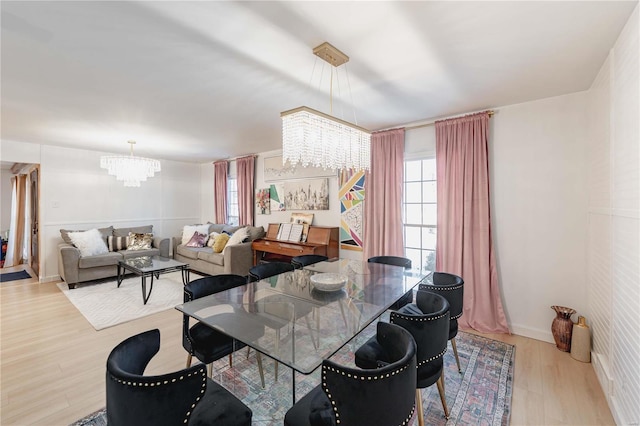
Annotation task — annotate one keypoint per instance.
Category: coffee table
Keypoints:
(151, 266)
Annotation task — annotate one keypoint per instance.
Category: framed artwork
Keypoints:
(274, 170)
(263, 201)
(311, 194)
(351, 209)
(276, 194)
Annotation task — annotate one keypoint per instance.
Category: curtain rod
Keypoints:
(418, 126)
(235, 158)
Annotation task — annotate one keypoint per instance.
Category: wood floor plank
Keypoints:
(53, 364)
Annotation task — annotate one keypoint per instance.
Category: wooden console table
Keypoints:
(320, 240)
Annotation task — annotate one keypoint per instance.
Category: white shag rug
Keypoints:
(104, 305)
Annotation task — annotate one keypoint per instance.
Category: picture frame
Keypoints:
(309, 194)
(274, 170)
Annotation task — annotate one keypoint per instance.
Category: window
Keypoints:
(233, 215)
(419, 213)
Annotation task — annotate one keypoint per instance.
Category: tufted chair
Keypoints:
(183, 397)
(204, 342)
(428, 322)
(451, 287)
(396, 261)
(351, 396)
(307, 259)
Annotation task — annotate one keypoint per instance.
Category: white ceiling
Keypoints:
(199, 81)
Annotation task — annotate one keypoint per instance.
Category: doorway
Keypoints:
(21, 203)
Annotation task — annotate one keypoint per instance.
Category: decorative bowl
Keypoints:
(328, 281)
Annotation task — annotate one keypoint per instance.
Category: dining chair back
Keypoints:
(351, 396)
(396, 261)
(306, 260)
(451, 287)
(186, 396)
(266, 270)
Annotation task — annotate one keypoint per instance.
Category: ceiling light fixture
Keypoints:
(132, 170)
(310, 137)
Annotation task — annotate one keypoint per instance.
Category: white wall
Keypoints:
(614, 224)
(77, 194)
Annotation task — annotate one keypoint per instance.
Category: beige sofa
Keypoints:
(74, 268)
(236, 259)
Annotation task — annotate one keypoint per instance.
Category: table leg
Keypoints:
(120, 275)
(293, 386)
(185, 276)
(145, 296)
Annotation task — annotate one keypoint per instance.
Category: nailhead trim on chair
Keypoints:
(357, 377)
(201, 372)
(417, 318)
(433, 358)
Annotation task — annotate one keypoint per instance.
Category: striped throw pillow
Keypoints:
(117, 243)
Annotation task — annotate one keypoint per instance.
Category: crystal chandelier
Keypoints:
(132, 170)
(310, 137)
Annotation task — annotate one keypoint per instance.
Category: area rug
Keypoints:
(104, 305)
(14, 276)
(480, 395)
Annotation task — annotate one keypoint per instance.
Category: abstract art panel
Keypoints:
(351, 209)
(276, 194)
(312, 194)
(274, 170)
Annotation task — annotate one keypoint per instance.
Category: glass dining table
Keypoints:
(303, 325)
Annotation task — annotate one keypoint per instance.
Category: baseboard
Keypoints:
(532, 333)
(49, 279)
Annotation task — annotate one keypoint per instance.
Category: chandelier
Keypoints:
(310, 137)
(132, 170)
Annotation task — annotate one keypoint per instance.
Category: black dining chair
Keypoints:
(266, 270)
(428, 322)
(384, 396)
(451, 287)
(307, 259)
(186, 396)
(395, 261)
(200, 340)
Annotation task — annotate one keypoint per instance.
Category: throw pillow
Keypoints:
(238, 237)
(117, 243)
(220, 243)
(197, 240)
(90, 243)
(188, 230)
(139, 241)
(105, 232)
(212, 239)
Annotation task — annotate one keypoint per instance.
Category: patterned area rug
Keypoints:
(104, 305)
(480, 395)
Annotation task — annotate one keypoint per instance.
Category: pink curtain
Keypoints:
(383, 195)
(246, 173)
(464, 246)
(220, 173)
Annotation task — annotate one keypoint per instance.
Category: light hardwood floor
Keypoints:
(53, 364)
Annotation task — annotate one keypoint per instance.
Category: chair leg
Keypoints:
(442, 396)
(260, 370)
(419, 407)
(210, 369)
(189, 356)
(230, 360)
(455, 352)
(248, 351)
